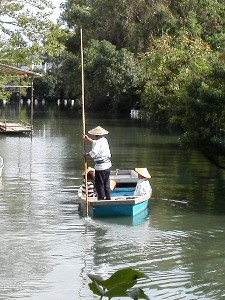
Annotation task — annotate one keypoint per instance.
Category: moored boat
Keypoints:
(122, 203)
(1, 165)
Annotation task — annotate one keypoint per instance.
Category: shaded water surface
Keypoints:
(47, 249)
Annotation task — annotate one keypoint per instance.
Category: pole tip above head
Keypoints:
(143, 172)
(98, 131)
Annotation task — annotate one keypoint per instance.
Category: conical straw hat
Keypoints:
(98, 131)
(89, 169)
(143, 172)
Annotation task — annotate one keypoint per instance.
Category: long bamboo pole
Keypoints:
(83, 119)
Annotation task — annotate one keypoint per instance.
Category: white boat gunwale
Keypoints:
(122, 200)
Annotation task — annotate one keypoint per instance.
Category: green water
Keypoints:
(47, 249)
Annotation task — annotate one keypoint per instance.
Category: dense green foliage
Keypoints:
(174, 67)
(26, 31)
(163, 57)
(112, 76)
(26, 36)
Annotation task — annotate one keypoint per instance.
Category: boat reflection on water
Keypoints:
(128, 221)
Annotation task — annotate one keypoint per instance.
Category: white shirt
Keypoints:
(143, 187)
(101, 153)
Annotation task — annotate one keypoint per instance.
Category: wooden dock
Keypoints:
(15, 128)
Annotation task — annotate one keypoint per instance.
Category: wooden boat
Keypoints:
(122, 203)
(1, 165)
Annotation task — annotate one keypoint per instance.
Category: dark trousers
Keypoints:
(102, 184)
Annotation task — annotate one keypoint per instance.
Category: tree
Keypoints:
(26, 31)
(26, 35)
(204, 19)
(184, 87)
(112, 76)
(128, 24)
(204, 121)
(133, 24)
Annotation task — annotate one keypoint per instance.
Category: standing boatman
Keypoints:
(101, 154)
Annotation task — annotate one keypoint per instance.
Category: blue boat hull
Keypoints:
(119, 206)
(119, 210)
(123, 203)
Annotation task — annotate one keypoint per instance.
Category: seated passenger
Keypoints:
(90, 183)
(143, 186)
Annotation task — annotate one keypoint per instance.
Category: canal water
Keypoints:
(47, 249)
